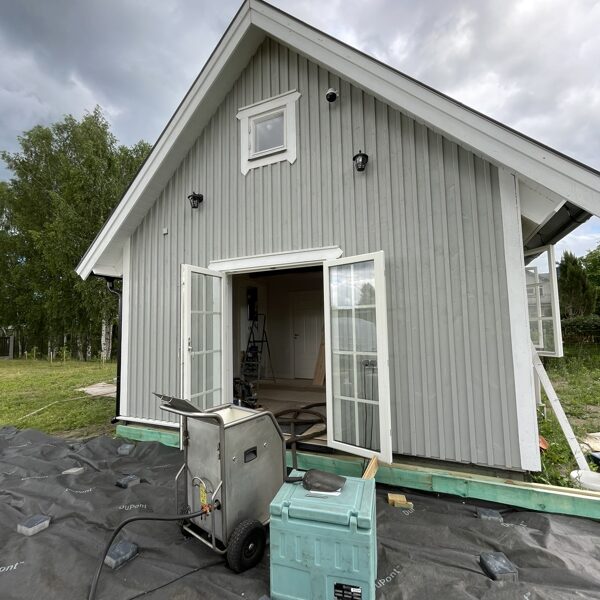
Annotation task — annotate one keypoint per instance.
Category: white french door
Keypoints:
(202, 336)
(356, 356)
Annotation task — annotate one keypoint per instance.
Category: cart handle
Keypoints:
(178, 406)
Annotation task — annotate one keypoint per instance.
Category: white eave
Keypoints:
(254, 21)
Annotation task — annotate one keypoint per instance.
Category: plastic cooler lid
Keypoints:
(356, 499)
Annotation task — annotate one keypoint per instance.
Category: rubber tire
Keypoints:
(246, 545)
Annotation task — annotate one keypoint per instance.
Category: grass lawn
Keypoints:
(29, 385)
(576, 379)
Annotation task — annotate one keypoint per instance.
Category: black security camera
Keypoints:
(331, 95)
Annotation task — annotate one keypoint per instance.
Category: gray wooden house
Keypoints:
(428, 271)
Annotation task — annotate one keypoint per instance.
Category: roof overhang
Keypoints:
(539, 166)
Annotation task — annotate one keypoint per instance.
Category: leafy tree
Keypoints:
(67, 177)
(591, 262)
(577, 295)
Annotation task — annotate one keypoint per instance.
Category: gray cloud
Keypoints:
(532, 64)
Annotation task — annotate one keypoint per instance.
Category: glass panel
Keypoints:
(540, 278)
(366, 378)
(342, 330)
(354, 377)
(364, 283)
(343, 375)
(197, 290)
(366, 329)
(549, 344)
(344, 416)
(368, 430)
(268, 132)
(197, 332)
(204, 355)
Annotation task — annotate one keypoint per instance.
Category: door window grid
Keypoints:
(367, 291)
(206, 293)
(542, 301)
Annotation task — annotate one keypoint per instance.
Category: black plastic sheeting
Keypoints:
(429, 552)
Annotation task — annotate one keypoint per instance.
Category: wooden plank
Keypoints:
(538, 497)
(561, 417)
(399, 501)
(319, 376)
(149, 434)
(371, 469)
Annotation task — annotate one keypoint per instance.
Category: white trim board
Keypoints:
(143, 421)
(519, 323)
(254, 21)
(276, 260)
(125, 328)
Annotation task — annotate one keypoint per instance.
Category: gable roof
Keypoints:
(255, 20)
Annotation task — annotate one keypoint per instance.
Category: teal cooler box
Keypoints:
(324, 547)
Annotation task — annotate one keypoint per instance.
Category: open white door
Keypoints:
(202, 336)
(356, 356)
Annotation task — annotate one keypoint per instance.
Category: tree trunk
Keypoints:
(106, 339)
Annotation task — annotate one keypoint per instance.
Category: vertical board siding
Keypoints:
(432, 206)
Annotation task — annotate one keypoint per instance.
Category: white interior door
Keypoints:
(356, 354)
(202, 336)
(307, 326)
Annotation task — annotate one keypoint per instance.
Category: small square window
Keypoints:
(268, 131)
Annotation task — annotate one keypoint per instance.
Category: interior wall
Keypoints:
(275, 299)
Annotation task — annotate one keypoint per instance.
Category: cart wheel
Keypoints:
(246, 545)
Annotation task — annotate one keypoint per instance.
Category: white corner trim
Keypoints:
(519, 323)
(125, 327)
(283, 102)
(276, 260)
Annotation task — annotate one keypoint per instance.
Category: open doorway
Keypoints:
(219, 303)
(278, 341)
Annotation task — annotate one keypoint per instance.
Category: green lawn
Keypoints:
(27, 386)
(576, 379)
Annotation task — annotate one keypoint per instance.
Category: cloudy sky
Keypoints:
(532, 64)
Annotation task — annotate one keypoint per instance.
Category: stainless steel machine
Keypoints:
(234, 465)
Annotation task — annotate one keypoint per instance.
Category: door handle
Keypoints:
(296, 336)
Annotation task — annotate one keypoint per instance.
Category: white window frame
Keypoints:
(255, 113)
(555, 318)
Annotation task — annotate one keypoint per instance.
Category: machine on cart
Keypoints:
(234, 465)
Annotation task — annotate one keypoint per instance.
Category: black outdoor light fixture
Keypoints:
(195, 199)
(360, 160)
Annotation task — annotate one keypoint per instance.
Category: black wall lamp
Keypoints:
(360, 160)
(195, 199)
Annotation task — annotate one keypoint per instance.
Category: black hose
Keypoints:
(93, 588)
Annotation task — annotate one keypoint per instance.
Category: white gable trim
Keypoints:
(454, 120)
(257, 19)
(158, 158)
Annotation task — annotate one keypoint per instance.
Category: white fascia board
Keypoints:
(467, 128)
(162, 161)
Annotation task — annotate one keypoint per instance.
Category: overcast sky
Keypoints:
(532, 64)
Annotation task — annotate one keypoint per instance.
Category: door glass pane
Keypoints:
(204, 347)
(355, 381)
(544, 322)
